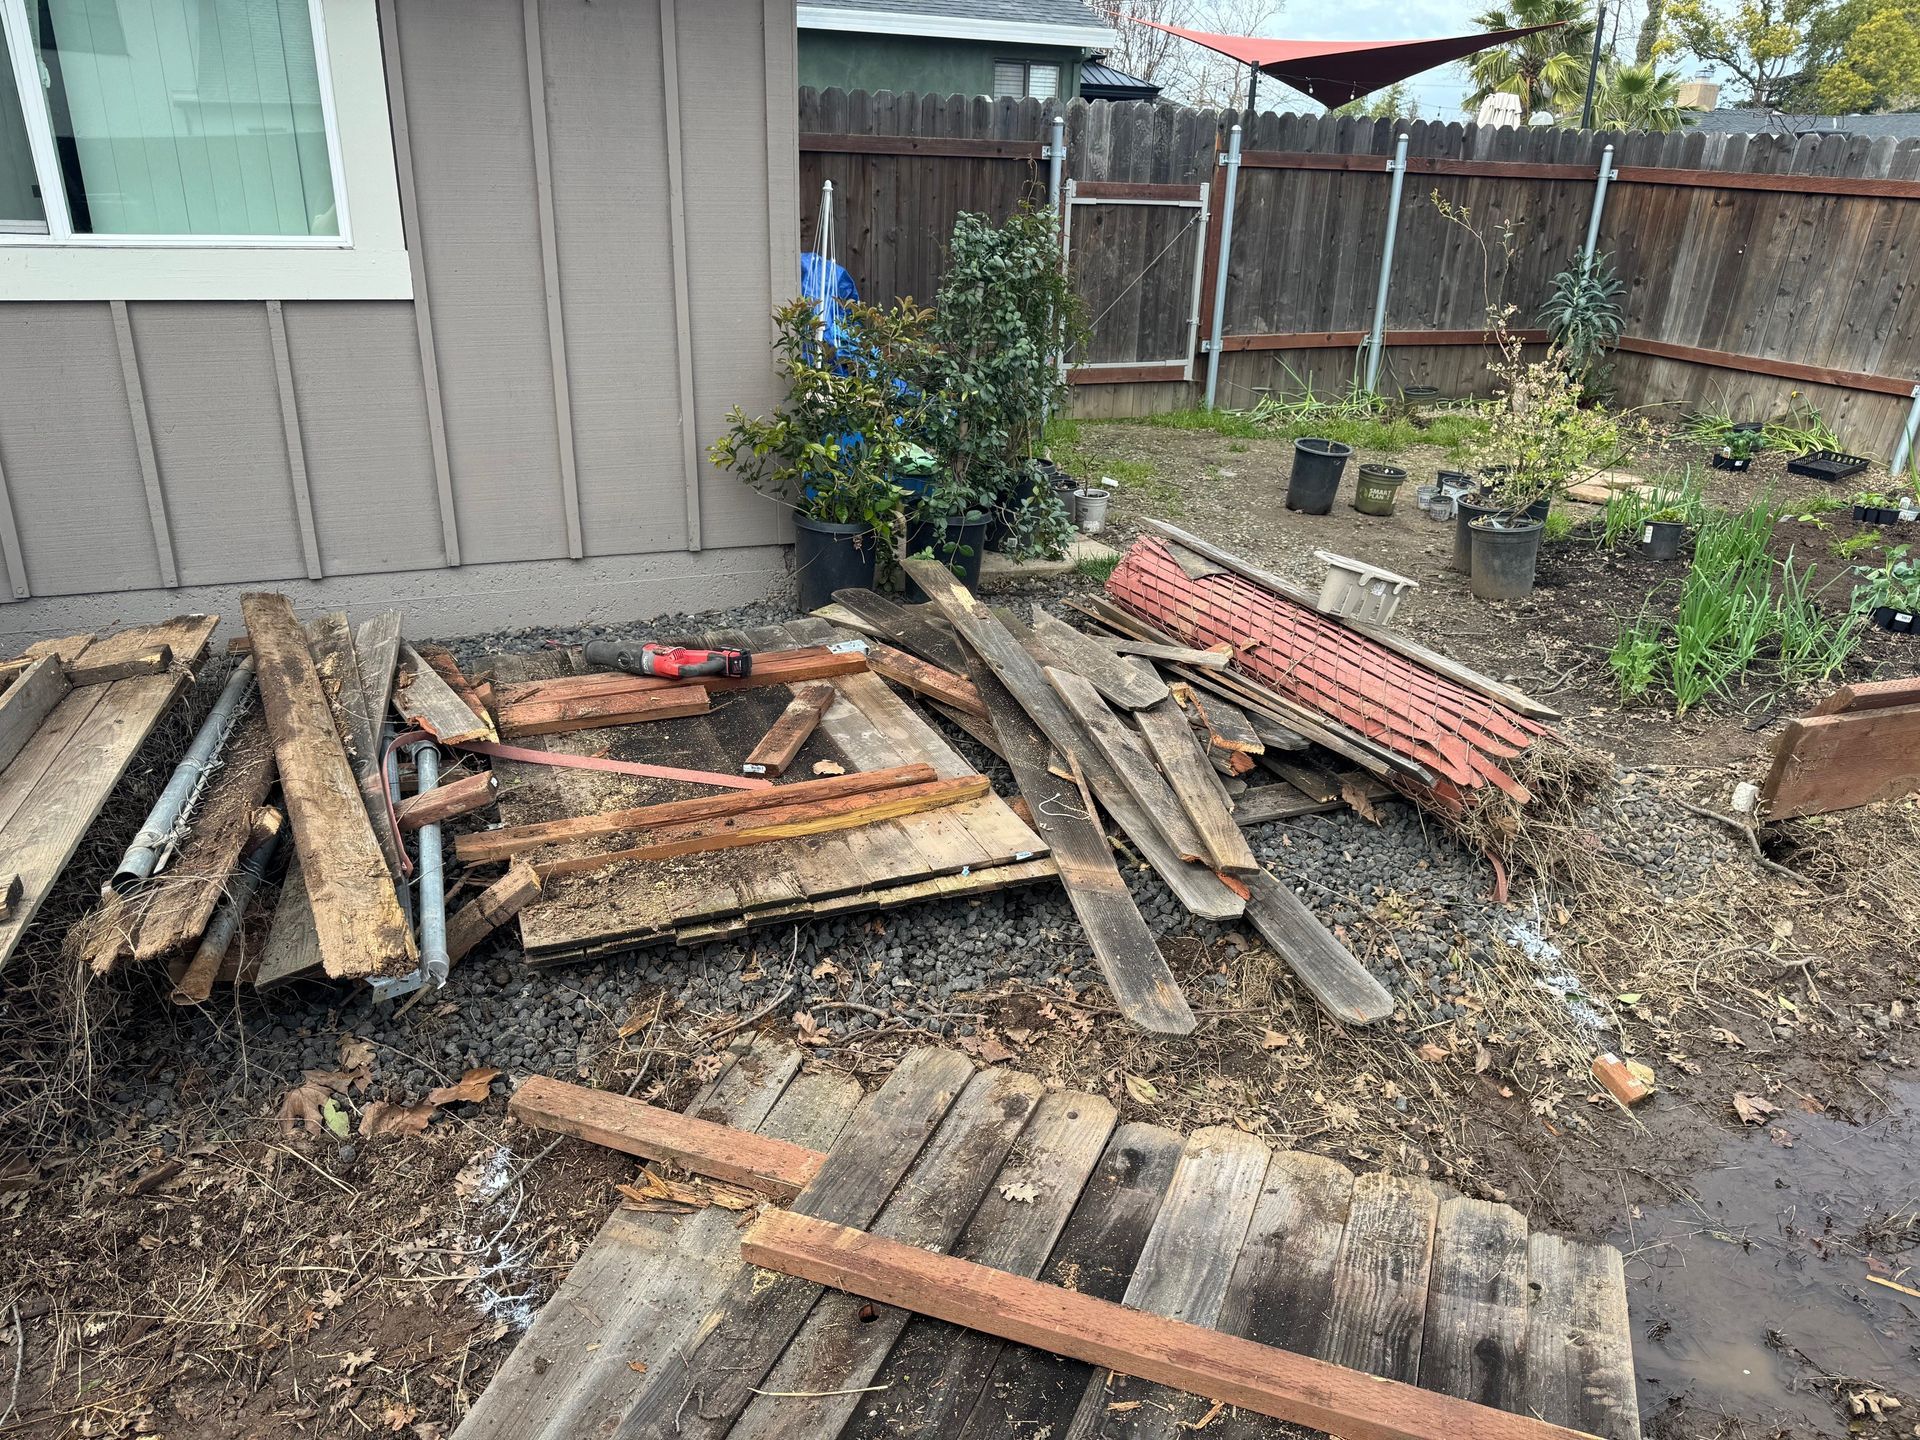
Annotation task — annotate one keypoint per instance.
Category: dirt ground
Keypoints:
(219, 1277)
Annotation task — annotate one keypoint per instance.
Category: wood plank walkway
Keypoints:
(963, 849)
(660, 1331)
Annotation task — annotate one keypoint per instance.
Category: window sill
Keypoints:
(102, 270)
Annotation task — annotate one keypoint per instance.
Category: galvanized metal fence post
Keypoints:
(1903, 452)
(1232, 162)
(1599, 209)
(433, 892)
(1377, 338)
(1056, 158)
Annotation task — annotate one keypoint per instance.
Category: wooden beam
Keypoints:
(1347, 339)
(153, 662)
(772, 667)
(1129, 683)
(1218, 658)
(560, 717)
(719, 1152)
(924, 679)
(785, 737)
(1866, 186)
(781, 823)
(27, 702)
(1765, 365)
(1126, 374)
(1095, 190)
(1138, 975)
(509, 840)
(491, 908)
(1208, 1363)
(1871, 695)
(1838, 762)
(361, 927)
(921, 146)
(449, 801)
(426, 702)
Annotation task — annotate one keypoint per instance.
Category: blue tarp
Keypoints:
(816, 272)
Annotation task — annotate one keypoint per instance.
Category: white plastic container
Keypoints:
(1090, 510)
(1357, 591)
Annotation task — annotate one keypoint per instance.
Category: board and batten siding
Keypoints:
(589, 189)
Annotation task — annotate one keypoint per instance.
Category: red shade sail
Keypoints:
(1337, 71)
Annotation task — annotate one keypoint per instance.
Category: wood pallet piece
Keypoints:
(105, 672)
(426, 702)
(926, 680)
(644, 1276)
(1184, 763)
(1129, 958)
(788, 735)
(27, 701)
(292, 950)
(1121, 680)
(925, 635)
(1842, 760)
(362, 930)
(1118, 785)
(560, 717)
(1284, 1250)
(1336, 979)
(58, 783)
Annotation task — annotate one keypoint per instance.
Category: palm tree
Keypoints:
(1638, 97)
(1548, 69)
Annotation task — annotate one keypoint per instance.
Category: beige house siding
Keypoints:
(535, 467)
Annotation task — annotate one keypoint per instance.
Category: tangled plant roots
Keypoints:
(1552, 836)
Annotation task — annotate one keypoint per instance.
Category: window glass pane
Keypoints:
(20, 207)
(1009, 78)
(1043, 81)
(187, 117)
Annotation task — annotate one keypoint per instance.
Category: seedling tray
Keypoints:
(1724, 461)
(1826, 465)
(1899, 622)
(1877, 514)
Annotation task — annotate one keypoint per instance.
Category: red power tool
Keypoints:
(668, 662)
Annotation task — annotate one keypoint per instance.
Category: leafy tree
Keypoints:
(1548, 69)
(1395, 103)
(1637, 97)
(1766, 44)
(1866, 56)
(1648, 46)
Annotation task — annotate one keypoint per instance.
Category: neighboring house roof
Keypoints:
(1103, 82)
(1762, 122)
(1016, 22)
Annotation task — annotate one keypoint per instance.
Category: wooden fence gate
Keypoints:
(1136, 254)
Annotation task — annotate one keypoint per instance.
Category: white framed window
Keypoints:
(1026, 79)
(196, 149)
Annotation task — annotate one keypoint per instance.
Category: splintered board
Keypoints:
(963, 849)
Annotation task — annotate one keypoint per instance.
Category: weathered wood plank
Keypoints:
(1836, 762)
(1579, 1368)
(1128, 683)
(1478, 1305)
(292, 951)
(1124, 752)
(450, 801)
(1340, 983)
(1378, 1311)
(27, 702)
(783, 741)
(426, 702)
(357, 914)
(925, 679)
(598, 712)
(105, 672)
(491, 908)
(1184, 763)
(905, 625)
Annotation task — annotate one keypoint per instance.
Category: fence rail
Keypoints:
(1756, 266)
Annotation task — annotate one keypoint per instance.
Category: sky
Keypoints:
(1438, 91)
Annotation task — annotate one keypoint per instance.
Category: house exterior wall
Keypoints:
(589, 189)
(931, 66)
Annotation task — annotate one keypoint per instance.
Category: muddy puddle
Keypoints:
(1751, 1295)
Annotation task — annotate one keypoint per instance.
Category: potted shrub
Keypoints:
(1664, 533)
(1890, 595)
(1006, 314)
(1736, 452)
(833, 448)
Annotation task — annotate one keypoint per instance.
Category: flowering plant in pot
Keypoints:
(834, 447)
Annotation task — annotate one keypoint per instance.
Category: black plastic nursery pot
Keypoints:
(1317, 465)
(1505, 551)
(1000, 517)
(960, 542)
(1877, 514)
(1467, 511)
(1723, 461)
(1420, 394)
(1899, 622)
(829, 557)
(1663, 539)
(1374, 491)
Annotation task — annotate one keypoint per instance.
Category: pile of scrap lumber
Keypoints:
(73, 714)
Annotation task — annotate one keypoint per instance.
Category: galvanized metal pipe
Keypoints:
(1056, 162)
(1377, 339)
(1903, 452)
(156, 834)
(218, 937)
(1220, 271)
(1599, 209)
(432, 879)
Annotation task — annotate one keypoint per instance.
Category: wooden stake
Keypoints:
(447, 802)
(791, 731)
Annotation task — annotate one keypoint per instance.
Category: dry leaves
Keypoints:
(1752, 1109)
(471, 1086)
(1024, 1193)
(1142, 1089)
(383, 1117)
(985, 1048)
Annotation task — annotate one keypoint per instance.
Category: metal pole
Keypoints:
(1378, 337)
(433, 891)
(218, 939)
(1903, 452)
(1599, 209)
(143, 856)
(1593, 64)
(1232, 163)
(1253, 90)
(1056, 162)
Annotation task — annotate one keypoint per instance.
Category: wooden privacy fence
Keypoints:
(1760, 269)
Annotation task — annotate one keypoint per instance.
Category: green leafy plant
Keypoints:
(1859, 544)
(1539, 437)
(1668, 515)
(1894, 583)
(1801, 429)
(1708, 427)
(1583, 314)
(1628, 511)
(1814, 506)
(1873, 498)
(1635, 658)
(1743, 444)
(831, 450)
(1560, 526)
(1096, 567)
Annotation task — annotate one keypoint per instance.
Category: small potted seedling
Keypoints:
(1664, 533)
(1877, 507)
(1890, 595)
(1736, 452)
